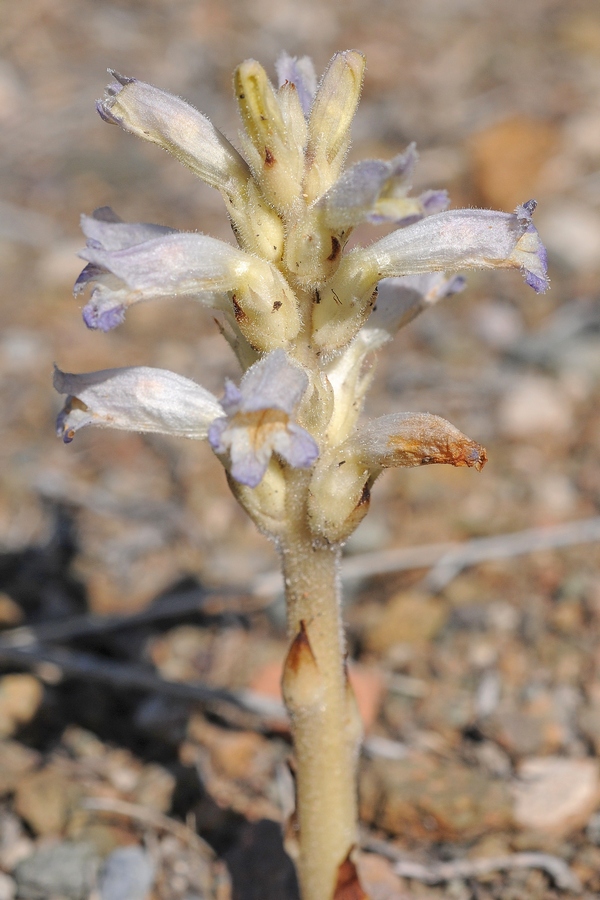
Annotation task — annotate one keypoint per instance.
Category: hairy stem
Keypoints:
(325, 723)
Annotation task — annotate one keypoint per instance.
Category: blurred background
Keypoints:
(502, 100)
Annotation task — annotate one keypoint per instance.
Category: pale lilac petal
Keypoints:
(535, 276)
(400, 300)
(232, 399)
(216, 431)
(272, 383)
(135, 398)
(355, 191)
(403, 165)
(297, 446)
(462, 238)
(258, 421)
(89, 273)
(105, 231)
(377, 192)
(174, 264)
(301, 73)
(434, 201)
(249, 456)
(173, 124)
(249, 463)
(102, 313)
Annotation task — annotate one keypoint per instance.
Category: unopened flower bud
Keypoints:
(277, 161)
(330, 119)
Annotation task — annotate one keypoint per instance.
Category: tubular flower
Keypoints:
(301, 315)
(258, 421)
(377, 192)
(400, 439)
(135, 398)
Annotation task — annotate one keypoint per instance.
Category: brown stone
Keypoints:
(15, 761)
(424, 798)
(234, 754)
(408, 618)
(20, 697)
(45, 800)
(10, 612)
(155, 788)
(377, 876)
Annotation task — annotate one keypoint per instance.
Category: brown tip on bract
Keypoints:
(300, 652)
(348, 886)
(302, 685)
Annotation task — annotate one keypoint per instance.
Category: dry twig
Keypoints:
(197, 600)
(131, 676)
(438, 872)
(152, 819)
(450, 558)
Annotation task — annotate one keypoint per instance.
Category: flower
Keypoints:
(258, 421)
(250, 424)
(130, 263)
(377, 192)
(294, 307)
(341, 484)
(135, 398)
(175, 125)
(452, 240)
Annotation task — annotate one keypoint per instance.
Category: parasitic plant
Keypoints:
(305, 320)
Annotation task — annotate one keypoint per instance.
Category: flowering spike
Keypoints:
(304, 320)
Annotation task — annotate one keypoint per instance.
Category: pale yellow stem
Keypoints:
(325, 725)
